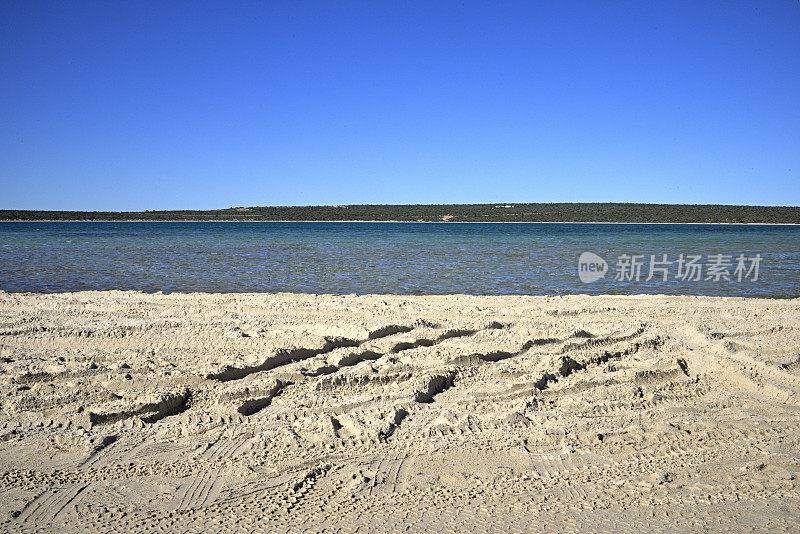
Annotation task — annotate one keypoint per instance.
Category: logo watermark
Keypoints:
(688, 267)
(591, 267)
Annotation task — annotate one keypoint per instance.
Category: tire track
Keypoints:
(53, 503)
(404, 473)
(289, 355)
(170, 404)
(747, 373)
(114, 454)
(199, 491)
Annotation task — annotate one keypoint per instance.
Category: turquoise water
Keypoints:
(413, 258)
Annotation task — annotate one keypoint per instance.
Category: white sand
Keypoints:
(127, 412)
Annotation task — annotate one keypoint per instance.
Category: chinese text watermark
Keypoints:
(660, 267)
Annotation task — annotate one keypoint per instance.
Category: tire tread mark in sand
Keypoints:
(116, 452)
(388, 330)
(386, 475)
(603, 341)
(186, 492)
(494, 356)
(36, 508)
(354, 359)
(72, 496)
(72, 331)
(404, 472)
(744, 371)
(550, 465)
(444, 336)
(105, 442)
(44, 376)
(289, 355)
(242, 491)
(373, 487)
(219, 449)
(750, 333)
(498, 356)
(223, 448)
(670, 377)
(146, 450)
(241, 445)
(256, 404)
(397, 472)
(284, 357)
(199, 491)
(436, 384)
(170, 404)
(569, 365)
(394, 424)
(351, 359)
(301, 487)
(212, 446)
(40, 511)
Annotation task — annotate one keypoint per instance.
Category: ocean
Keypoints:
(401, 258)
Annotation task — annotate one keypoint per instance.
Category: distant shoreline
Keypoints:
(380, 222)
(555, 213)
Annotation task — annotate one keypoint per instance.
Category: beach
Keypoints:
(271, 412)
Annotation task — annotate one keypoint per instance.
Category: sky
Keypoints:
(203, 105)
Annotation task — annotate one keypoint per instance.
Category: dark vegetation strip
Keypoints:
(562, 212)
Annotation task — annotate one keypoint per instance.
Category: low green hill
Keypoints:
(562, 212)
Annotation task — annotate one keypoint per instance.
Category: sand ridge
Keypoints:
(124, 411)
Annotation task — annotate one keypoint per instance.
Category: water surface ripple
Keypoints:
(406, 258)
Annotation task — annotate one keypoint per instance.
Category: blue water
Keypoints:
(413, 258)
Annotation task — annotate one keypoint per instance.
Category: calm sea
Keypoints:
(412, 258)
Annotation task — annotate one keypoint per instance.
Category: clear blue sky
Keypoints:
(169, 105)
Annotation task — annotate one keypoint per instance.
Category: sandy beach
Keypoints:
(133, 412)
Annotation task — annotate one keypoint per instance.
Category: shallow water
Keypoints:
(414, 258)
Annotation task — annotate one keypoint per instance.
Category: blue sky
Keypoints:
(200, 105)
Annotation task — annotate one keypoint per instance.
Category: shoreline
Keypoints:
(386, 222)
(436, 296)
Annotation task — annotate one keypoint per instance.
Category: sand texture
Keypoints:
(130, 412)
